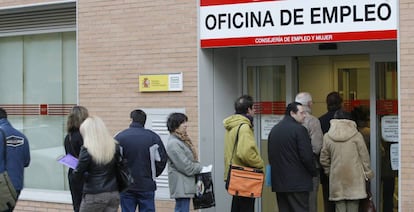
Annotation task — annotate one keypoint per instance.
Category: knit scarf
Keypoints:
(186, 139)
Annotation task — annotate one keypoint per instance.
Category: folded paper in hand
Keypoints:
(206, 169)
(154, 157)
(68, 160)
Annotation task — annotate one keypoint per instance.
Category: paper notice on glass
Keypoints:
(68, 160)
(394, 156)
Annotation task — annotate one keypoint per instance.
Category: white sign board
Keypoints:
(389, 128)
(258, 22)
(267, 123)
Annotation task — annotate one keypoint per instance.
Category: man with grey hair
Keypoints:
(313, 126)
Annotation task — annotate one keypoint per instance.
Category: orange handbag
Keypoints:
(244, 181)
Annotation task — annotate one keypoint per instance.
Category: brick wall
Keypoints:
(406, 35)
(120, 41)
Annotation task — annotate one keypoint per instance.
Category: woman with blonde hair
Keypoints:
(73, 142)
(97, 158)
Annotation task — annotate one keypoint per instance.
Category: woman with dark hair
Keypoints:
(73, 142)
(345, 159)
(182, 162)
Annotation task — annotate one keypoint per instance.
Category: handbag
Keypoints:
(244, 181)
(204, 196)
(123, 174)
(367, 205)
(8, 194)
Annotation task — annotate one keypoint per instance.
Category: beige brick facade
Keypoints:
(119, 40)
(129, 39)
(406, 35)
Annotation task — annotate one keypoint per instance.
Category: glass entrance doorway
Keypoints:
(269, 83)
(386, 134)
(368, 86)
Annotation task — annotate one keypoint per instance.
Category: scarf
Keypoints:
(186, 139)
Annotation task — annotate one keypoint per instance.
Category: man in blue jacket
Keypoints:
(146, 158)
(18, 153)
(292, 160)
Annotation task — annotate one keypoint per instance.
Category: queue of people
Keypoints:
(93, 183)
(303, 152)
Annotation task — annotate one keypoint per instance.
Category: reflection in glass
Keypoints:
(387, 98)
(267, 84)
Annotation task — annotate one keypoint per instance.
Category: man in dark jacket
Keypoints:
(292, 161)
(146, 158)
(18, 153)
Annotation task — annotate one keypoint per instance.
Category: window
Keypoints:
(39, 71)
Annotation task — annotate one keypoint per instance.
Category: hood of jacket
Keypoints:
(342, 129)
(235, 121)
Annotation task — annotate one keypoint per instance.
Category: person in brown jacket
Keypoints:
(345, 159)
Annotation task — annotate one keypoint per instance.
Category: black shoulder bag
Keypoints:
(123, 174)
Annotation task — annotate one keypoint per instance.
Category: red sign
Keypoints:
(36, 109)
(384, 107)
(43, 109)
(300, 39)
(277, 108)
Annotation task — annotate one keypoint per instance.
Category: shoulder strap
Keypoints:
(4, 148)
(235, 142)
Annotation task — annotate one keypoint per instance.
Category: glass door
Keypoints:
(386, 133)
(269, 82)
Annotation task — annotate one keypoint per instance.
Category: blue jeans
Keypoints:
(182, 205)
(144, 200)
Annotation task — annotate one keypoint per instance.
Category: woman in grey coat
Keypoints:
(182, 162)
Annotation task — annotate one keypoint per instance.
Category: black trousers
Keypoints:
(242, 204)
(293, 201)
(388, 185)
(76, 188)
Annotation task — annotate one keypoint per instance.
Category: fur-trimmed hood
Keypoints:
(342, 129)
(345, 159)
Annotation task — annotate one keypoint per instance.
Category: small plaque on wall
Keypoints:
(160, 82)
